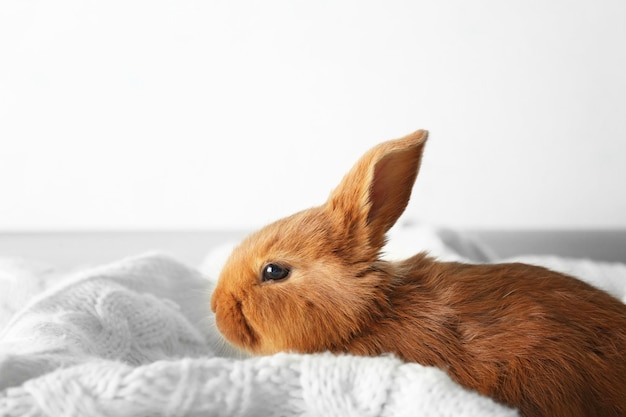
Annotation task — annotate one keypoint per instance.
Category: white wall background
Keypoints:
(159, 114)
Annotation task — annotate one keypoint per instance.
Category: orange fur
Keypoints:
(529, 337)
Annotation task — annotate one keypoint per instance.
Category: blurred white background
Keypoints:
(156, 114)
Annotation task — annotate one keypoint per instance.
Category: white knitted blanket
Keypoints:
(136, 338)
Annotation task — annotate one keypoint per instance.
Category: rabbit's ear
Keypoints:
(373, 195)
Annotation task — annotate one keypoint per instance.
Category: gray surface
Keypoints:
(71, 249)
(602, 245)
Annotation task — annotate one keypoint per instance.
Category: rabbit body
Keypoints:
(546, 343)
(543, 342)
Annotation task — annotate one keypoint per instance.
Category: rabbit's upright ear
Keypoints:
(373, 195)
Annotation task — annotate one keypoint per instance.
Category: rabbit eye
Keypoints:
(273, 272)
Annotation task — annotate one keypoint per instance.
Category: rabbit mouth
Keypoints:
(232, 323)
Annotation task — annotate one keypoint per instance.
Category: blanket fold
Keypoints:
(278, 385)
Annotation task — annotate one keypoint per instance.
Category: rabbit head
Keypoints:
(311, 281)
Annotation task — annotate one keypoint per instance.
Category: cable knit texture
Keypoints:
(137, 338)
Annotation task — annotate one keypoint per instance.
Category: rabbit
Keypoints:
(543, 342)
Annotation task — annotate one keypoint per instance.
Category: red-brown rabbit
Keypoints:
(535, 339)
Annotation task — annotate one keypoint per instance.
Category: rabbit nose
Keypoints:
(214, 298)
